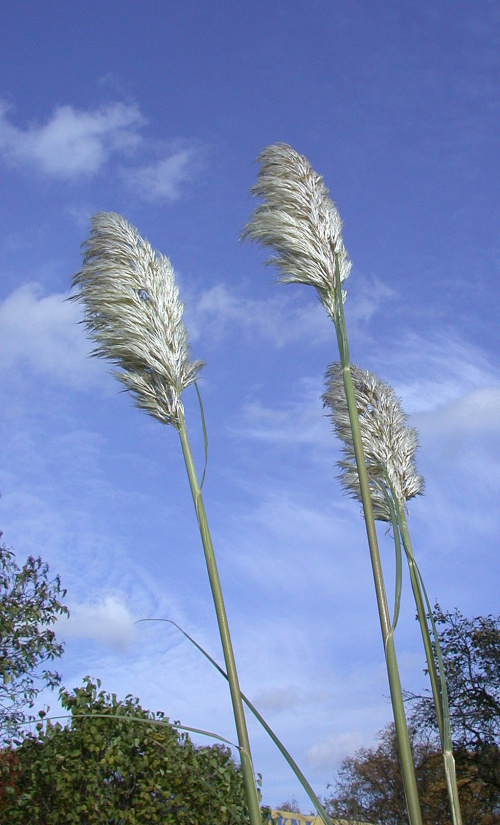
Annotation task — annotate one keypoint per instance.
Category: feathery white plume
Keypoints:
(389, 444)
(133, 314)
(300, 222)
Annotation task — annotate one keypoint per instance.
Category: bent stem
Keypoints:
(213, 574)
(406, 759)
(279, 744)
(438, 682)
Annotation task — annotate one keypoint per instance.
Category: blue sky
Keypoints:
(157, 111)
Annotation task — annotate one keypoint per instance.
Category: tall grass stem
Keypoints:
(232, 676)
(438, 682)
(302, 225)
(405, 754)
(133, 314)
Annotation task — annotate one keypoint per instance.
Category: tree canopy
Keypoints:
(471, 655)
(369, 784)
(110, 761)
(30, 602)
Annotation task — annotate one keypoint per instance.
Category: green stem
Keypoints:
(406, 759)
(438, 683)
(422, 619)
(213, 575)
(399, 563)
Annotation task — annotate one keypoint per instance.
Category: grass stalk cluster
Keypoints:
(302, 226)
(133, 314)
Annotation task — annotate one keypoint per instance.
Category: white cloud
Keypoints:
(162, 180)
(44, 333)
(287, 697)
(281, 319)
(448, 385)
(290, 315)
(72, 142)
(370, 295)
(332, 750)
(475, 412)
(107, 621)
(80, 214)
(301, 422)
(431, 372)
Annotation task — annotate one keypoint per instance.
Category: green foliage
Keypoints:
(121, 771)
(29, 603)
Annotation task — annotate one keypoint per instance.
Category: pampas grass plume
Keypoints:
(389, 445)
(300, 222)
(133, 314)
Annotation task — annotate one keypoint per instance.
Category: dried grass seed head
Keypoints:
(389, 444)
(133, 314)
(300, 222)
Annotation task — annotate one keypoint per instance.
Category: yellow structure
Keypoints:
(290, 818)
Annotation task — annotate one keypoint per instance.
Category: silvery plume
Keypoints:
(389, 444)
(133, 314)
(300, 222)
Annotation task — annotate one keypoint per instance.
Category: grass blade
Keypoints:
(281, 747)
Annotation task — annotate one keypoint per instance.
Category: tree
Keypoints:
(114, 766)
(30, 602)
(369, 785)
(290, 805)
(471, 655)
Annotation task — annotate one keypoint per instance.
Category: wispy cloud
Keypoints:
(475, 412)
(287, 697)
(332, 750)
(162, 180)
(73, 142)
(434, 372)
(450, 388)
(371, 294)
(278, 698)
(300, 422)
(43, 332)
(281, 319)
